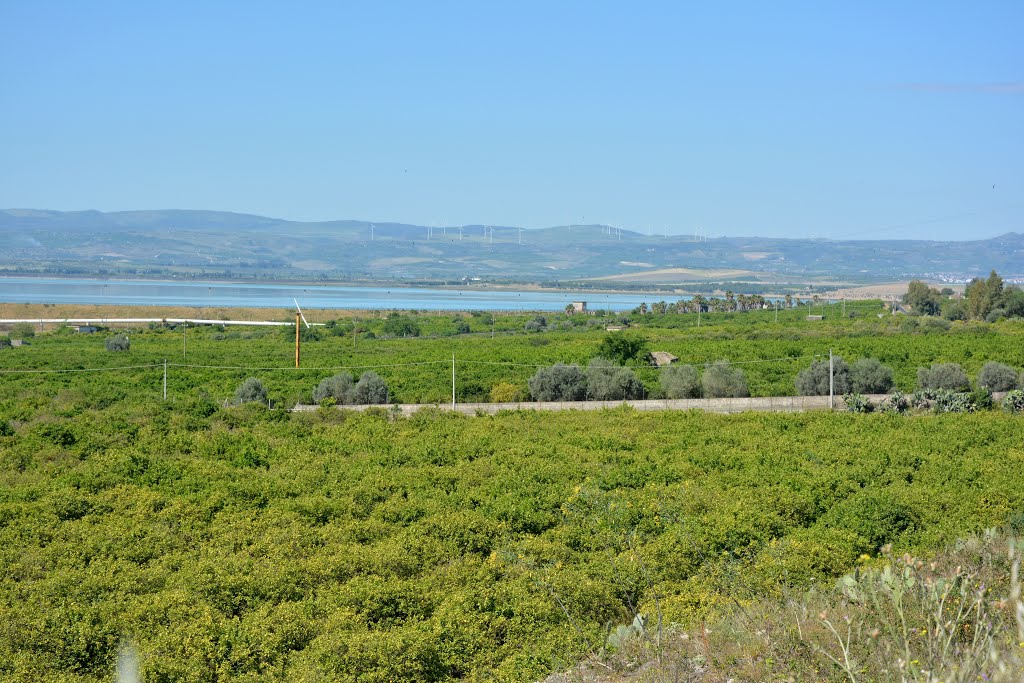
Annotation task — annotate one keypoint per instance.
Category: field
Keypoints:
(240, 543)
(418, 369)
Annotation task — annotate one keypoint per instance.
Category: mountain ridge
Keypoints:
(238, 244)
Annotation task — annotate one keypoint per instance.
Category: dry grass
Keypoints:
(956, 618)
(8, 310)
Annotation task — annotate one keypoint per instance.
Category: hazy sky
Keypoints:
(794, 119)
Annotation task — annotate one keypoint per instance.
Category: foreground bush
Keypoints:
(955, 617)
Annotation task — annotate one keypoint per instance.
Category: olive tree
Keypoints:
(814, 381)
(948, 376)
(609, 382)
(118, 343)
(371, 389)
(337, 387)
(997, 377)
(251, 391)
(720, 380)
(560, 382)
(680, 381)
(869, 376)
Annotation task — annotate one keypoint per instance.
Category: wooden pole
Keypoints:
(298, 331)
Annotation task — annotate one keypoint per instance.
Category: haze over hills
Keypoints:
(224, 244)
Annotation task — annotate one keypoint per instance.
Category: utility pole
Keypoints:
(298, 331)
(844, 306)
(165, 379)
(492, 326)
(184, 326)
(831, 382)
(776, 310)
(453, 381)
(699, 307)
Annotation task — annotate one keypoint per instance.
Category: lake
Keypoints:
(273, 295)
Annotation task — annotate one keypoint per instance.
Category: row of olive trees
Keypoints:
(869, 376)
(340, 389)
(718, 380)
(603, 380)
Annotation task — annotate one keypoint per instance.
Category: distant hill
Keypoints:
(215, 243)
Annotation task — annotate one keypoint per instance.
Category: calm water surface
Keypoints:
(246, 295)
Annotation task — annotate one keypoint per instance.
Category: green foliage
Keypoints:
(869, 376)
(22, 331)
(337, 388)
(560, 382)
(507, 392)
(609, 382)
(923, 299)
(370, 389)
(401, 326)
(943, 376)
(118, 343)
(262, 545)
(622, 347)
(251, 391)
(814, 381)
(997, 377)
(945, 401)
(720, 380)
(983, 295)
(895, 403)
(537, 324)
(680, 381)
(857, 403)
(1013, 402)
(879, 517)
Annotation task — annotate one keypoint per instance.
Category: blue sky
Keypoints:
(784, 119)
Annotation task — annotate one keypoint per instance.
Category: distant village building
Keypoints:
(18, 342)
(661, 358)
(613, 328)
(84, 329)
